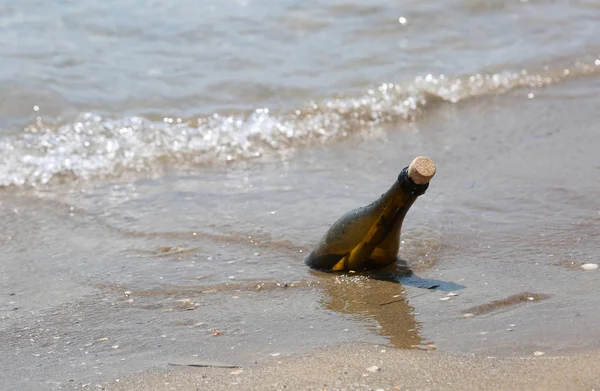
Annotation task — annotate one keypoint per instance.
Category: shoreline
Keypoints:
(371, 367)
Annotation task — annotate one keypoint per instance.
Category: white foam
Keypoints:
(97, 147)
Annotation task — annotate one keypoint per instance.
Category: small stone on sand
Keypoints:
(538, 353)
(589, 266)
(468, 315)
(444, 298)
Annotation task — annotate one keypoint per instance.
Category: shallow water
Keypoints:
(166, 168)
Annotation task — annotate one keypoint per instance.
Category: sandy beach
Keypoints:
(165, 169)
(359, 367)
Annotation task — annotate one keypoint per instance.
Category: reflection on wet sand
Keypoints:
(368, 298)
(381, 298)
(381, 295)
(378, 295)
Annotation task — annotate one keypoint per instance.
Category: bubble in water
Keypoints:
(96, 147)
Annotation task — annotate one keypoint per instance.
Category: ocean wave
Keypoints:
(92, 147)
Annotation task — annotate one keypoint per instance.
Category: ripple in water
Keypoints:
(94, 147)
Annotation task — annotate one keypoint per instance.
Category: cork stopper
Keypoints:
(421, 170)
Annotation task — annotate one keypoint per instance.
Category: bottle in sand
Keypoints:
(369, 237)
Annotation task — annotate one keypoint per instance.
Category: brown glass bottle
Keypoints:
(369, 237)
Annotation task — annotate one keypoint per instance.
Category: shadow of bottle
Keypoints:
(401, 273)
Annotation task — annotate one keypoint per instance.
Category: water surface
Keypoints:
(166, 167)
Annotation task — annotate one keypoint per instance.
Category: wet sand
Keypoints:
(368, 367)
(116, 281)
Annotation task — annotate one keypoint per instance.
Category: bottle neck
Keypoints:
(410, 187)
(403, 191)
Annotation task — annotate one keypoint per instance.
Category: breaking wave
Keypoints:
(94, 147)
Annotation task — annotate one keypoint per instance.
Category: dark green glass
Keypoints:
(369, 237)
